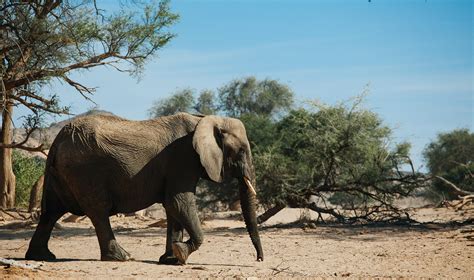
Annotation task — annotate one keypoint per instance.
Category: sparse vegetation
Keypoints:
(27, 171)
(336, 160)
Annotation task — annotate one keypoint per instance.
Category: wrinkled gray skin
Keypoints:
(102, 165)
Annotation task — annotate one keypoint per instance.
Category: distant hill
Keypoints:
(47, 135)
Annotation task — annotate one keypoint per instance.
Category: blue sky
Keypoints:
(416, 56)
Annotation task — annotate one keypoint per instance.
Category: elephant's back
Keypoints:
(104, 140)
(125, 144)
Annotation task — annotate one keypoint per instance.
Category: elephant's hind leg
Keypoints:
(53, 210)
(110, 250)
(95, 200)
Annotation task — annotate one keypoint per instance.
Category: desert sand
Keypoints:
(304, 249)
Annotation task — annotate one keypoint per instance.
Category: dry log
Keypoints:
(465, 200)
(465, 196)
(10, 262)
(73, 219)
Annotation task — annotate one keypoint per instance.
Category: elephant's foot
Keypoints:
(181, 251)
(39, 254)
(168, 258)
(115, 253)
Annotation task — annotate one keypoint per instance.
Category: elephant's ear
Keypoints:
(206, 142)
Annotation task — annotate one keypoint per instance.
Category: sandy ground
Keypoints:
(430, 251)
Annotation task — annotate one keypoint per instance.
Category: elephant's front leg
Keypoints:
(174, 233)
(182, 207)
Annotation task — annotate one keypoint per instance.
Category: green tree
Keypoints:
(27, 171)
(261, 131)
(205, 103)
(334, 154)
(451, 156)
(45, 41)
(251, 96)
(184, 101)
(180, 101)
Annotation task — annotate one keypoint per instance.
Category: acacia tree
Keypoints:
(46, 41)
(335, 160)
(205, 103)
(183, 101)
(180, 101)
(251, 96)
(449, 159)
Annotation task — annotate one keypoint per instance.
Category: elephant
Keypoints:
(102, 165)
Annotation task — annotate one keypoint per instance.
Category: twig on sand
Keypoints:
(4, 211)
(278, 270)
(10, 262)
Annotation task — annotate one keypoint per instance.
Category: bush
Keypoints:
(27, 171)
(451, 157)
(340, 154)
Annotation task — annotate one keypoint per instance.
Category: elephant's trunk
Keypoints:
(248, 204)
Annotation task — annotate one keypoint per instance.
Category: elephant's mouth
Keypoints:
(249, 186)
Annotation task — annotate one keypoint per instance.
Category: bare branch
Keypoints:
(270, 213)
(456, 189)
(330, 211)
(34, 107)
(29, 76)
(21, 145)
(83, 90)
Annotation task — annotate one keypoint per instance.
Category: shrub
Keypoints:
(451, 157)
(27, 171)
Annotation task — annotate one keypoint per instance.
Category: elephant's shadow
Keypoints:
(191, 264)
(6, 233)
(153, 262)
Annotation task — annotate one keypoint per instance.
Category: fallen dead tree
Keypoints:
(338, 161)
(356, 202)
(466, 197)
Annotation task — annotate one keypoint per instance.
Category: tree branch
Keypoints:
(21, 145)
(332, 212)
(34, 107)
(456, 189)
(270, 213)
(83, 90)
(42, 73)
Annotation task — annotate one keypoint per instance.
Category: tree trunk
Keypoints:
(7, 178)
(35, 194)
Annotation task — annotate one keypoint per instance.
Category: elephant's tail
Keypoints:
(49, 178)
(57, 195)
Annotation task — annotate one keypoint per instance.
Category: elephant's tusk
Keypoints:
(249, 186)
